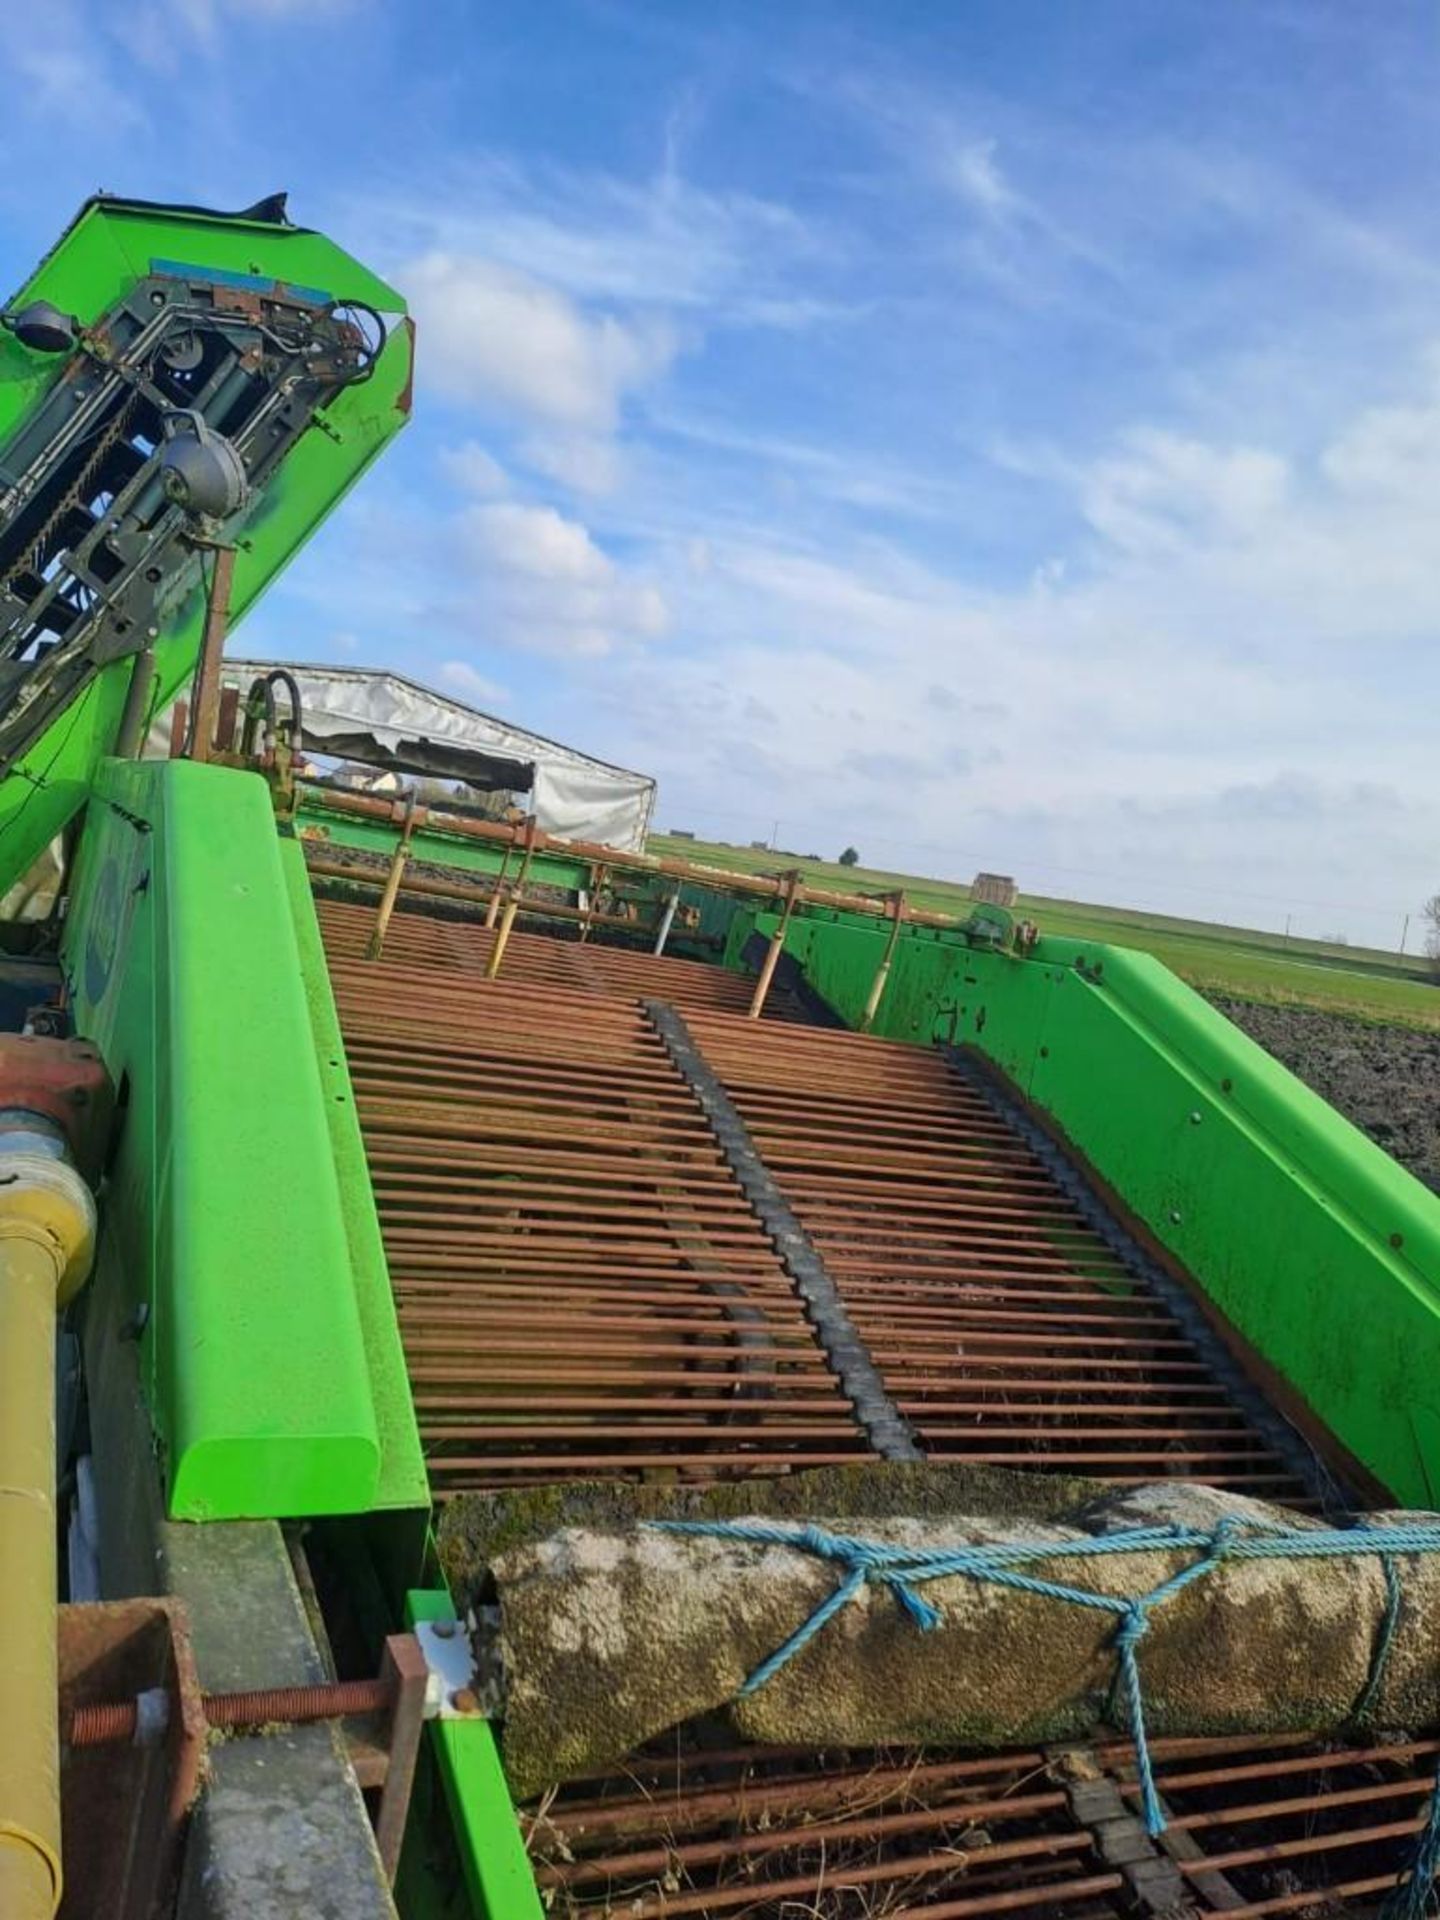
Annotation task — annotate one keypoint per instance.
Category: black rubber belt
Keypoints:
(884, 1426)
(1282, 1439)
(1120, 1839)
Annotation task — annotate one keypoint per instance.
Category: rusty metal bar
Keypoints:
(423, 887)
(512, 905)
(113, 1721)
(776, 947)
(389, 894)
(882, 972)
(405, 1672)
(497, 892)
(719, 879)
(667, 920)
(205, 698)
(965, 1301)
(555, 1207)
(588, 918)
(445, 951)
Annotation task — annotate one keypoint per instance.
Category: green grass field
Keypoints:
(1252, 965)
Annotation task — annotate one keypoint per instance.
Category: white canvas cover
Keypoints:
(574, 796)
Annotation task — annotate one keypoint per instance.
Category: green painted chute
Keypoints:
(117, 252)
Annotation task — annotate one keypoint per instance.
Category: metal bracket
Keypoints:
(450, 1658)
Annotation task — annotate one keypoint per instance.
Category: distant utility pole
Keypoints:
(1287, 929)
(774, 836)
(1404, 933)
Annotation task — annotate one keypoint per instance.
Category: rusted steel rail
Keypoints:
(513, 834)
(505, 1161)
(1283, 1826)
(744, 1831)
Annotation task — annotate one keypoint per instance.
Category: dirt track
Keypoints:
(1384, 1079)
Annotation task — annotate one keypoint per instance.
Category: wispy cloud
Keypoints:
(497, 336)
(655, 241)
(550, 586)
(462, 678)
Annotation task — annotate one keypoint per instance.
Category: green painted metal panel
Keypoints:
(492, 1848)
(403, 1481)
(1319, 1249)
(106, 250)
(183, 962)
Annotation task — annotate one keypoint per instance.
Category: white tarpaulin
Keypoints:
(572, 796)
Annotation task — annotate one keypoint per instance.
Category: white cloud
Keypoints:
(1392, 450)
(1159, 490)
(551, 588)
(1210, 706)
(497, 337)
(657, 243)
(537, 542)
(474, 469)
(970, 167)
(63, 71)
(461, 678)
(584, 463)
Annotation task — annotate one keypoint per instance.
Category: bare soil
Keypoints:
(1386, 1080)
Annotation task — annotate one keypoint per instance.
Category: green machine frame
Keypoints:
(239, 1214)
(250, 1230)
(106, 250)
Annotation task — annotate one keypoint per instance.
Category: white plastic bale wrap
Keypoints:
(575, 797)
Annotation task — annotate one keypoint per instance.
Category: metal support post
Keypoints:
(882, 972)
(512, 905)
(668, 921)
(777, 947)
(205, 698)
(391, 893)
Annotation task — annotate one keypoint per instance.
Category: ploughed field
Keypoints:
(1385, 1079)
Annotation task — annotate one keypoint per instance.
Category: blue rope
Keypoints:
(905, 1569)
(1381, 1652)
(1410, 1899)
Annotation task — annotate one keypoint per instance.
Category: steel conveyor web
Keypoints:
(581, 1287)
(583, 1292)
(1004, 1327)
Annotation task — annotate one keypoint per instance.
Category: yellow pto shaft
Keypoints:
(47, 1243)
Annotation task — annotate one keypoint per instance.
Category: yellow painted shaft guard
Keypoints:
(47, 1238)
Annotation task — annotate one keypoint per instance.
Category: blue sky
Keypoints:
(994, 434)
